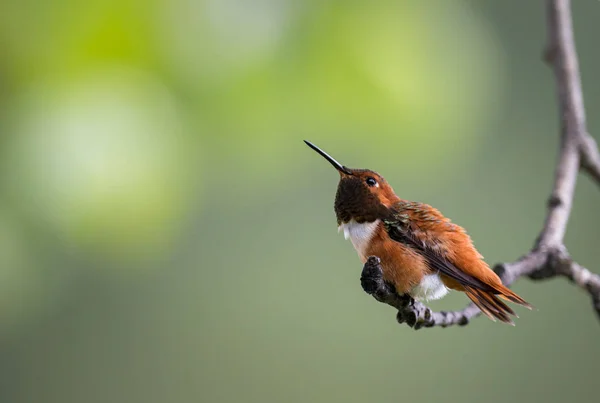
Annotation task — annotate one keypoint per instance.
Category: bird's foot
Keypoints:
(373, 283)
(371, 278)
(414, 314)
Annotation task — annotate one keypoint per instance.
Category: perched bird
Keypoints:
(422, 253)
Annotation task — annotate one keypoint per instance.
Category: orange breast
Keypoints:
(402, 266)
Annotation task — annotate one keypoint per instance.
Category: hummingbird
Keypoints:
(423, 254)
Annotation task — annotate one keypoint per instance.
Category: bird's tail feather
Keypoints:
(491, 305)
(508, 295)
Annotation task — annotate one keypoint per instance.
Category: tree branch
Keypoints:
(590, 157)
(578, 151)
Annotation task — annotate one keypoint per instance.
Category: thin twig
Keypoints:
(578, 151)
(568, 83)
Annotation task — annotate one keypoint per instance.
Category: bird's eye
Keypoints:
(371, 181)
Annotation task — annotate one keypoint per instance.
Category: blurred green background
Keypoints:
(165, 235)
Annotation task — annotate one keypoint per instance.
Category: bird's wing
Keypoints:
(426, 230)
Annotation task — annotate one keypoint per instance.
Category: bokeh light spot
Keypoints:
(104, 163)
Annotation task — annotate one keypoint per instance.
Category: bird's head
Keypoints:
(362, 195)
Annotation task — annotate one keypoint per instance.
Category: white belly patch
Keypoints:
(359, 235)
(430, 288)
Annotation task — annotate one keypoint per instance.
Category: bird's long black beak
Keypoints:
(329, 158)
